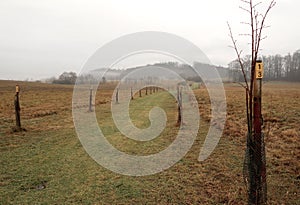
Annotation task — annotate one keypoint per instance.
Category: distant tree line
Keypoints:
(65, 78)
(277, 67)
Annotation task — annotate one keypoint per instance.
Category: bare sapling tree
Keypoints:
(255, 157)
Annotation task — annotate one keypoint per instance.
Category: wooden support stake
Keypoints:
(179, 106)
(258, 185)
(91, 100)
(17, 109)
(117, 96)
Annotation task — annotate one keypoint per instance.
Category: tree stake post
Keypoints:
(17, 109)
(91, 99)
(258, 185)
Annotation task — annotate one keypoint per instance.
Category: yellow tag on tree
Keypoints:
(259, 70)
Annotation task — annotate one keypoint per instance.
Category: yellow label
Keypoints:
(17, 88)
(259, 68)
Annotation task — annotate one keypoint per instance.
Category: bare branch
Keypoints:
(256, 23)
(244, 9)
(245, 23)
(238, 53)
(258, 28)
(244, 34)
(241, 84)
(266, 26)
(271, 5)
(247, 2)
(263, 38)
(257, 4)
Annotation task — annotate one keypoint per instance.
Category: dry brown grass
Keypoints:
(46, 112)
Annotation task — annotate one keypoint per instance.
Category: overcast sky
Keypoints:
(40, 39)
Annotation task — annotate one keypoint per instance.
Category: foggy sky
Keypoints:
(40, 39)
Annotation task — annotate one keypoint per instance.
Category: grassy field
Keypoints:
(48, 165)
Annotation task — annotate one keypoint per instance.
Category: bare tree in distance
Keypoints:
(255, 164)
